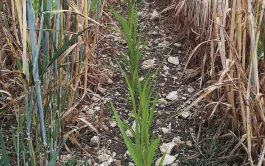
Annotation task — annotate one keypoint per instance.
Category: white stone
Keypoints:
(189, 143)
(109, 81)
(94, 141)
(130, 164)
(164, 43)
(129, 133)
(173, 60)
(190, 90)
(97, 108)
(177, 44)
(147, 64)
(154, 15)
(141, 78)
(104, 164)
(177, 141)
(185, 114)
(165, 130)
(167, 160)
(113, 123)
(165, 67)
(167, 147)
(110, 160)
(103, 157)
(172, 95)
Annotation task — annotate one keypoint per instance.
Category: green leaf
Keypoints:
(131, 148)
(63, 48)
(56, 153)
(162, 160)
(3, 148)
(151, 152)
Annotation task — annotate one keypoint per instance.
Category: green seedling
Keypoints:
(142, 147)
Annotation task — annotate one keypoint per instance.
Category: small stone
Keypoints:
(158, 122)
(154, 15)
(117, 94)
(177, 44)
(97, 108)
(173, 60)
(185, 114)
(172, 95)
(113, 123)
(167, 160)
(189, 143)
(110, 160)
(179, 52)
(94, 141)
(104, 164)
(177, 141)
(154, 33)
(105, 127)
(130, 164)
(114, 154)
(165, 68)
(174, 164)
(147, 64)
(190, 90)
(103, 157)
(167, 147)
(109, 81)
(165, 130)
(129, 133)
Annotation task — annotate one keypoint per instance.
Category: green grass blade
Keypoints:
(3, 150)
(162, 160)
(151, 152)
(127, 140)
(63, 48)
(56, 153)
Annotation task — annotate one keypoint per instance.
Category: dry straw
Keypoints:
(228, 36)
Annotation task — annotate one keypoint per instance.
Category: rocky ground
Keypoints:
(174, 127)
(180, 132)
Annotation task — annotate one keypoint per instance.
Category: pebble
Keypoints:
(130, 164)
(172, 95)
(103, 157)
(165, 130)
(97, 108)
(167, 147)
(189, 143)
(154, 15)
(177, 44)
(185, 114)
(173, 60)
(94, 141)
(147, 64)
(104, 164)
(191, 90)
(167, 160)
(113, 123)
